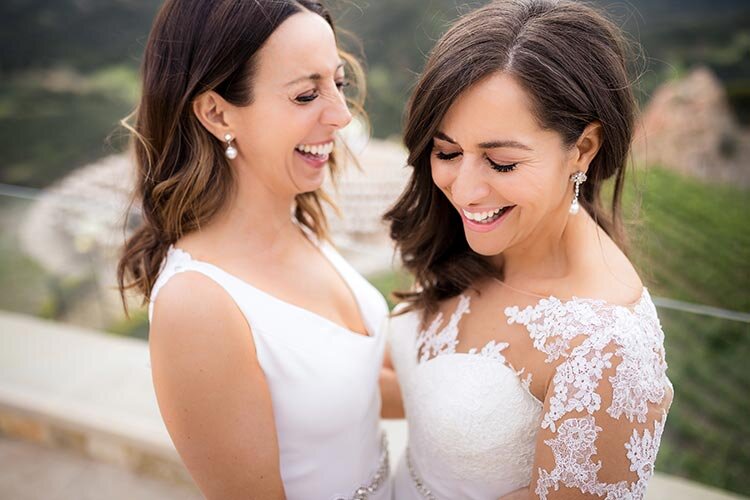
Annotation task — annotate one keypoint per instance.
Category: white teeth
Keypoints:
(317, 149)
(481, 216)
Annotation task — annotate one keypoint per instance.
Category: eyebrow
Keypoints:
(487, 145)
(314, 77)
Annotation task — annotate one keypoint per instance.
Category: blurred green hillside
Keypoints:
(69, 68)
(692, 242)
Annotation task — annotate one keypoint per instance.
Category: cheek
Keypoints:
(442, 175)
(278, 128)
(535, 188)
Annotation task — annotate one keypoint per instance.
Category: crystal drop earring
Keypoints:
(578, 178)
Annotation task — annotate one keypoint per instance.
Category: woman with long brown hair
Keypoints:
(265, 344)
(529, 353)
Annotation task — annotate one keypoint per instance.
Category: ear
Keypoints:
(586, 147)
(211, 109)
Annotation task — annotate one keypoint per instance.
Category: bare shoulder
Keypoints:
(211, 390)
(193, 310)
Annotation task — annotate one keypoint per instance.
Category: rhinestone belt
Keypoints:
(378, 478)
(418, 483)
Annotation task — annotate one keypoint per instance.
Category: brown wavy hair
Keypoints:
(183, 177)
(573, 64)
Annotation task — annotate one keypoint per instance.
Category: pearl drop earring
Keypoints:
(231, 151)
(578, 178)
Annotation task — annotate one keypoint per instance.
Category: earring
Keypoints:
(578, 178)
(231, 151)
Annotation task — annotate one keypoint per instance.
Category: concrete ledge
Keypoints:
(84, 391)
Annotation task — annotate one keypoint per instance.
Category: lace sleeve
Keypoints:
(607, 400)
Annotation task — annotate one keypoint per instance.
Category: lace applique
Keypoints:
(573, 448)
(433, 342)
(588, 337)
(526, 381)
(640, 375)
(492, 349)
(642, 453)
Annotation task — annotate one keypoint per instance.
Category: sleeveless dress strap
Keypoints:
(179, 261)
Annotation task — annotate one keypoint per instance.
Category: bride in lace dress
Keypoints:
(529, 354)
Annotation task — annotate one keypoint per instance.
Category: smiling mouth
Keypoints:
(317, 151)
(486, 217)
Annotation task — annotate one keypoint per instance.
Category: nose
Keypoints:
(469, 186)
(336, 112)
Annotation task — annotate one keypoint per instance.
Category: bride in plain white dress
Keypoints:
(529, 354)
(265, 345)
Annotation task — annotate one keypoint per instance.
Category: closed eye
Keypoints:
(446, 156)
(305, 98)
(502, 168)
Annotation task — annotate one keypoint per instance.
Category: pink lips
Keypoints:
(314, 161)
(485, 228)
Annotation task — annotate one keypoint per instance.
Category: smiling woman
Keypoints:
(265, 344)
(529, 353)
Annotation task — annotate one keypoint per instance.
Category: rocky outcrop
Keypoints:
(688, 126)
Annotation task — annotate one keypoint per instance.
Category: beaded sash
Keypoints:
(378, 478)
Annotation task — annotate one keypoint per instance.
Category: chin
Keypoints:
(309, 183)
(485, 245)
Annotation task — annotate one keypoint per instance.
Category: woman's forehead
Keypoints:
(495, 108)
(301, 46)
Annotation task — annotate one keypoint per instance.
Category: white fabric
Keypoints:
(474, 426)
(322, 377)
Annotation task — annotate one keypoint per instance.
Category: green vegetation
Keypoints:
(54, 121)
(135, 326)
(68, 71)
(692, 239)
(24, 285)
(693, 244)
(389, 282)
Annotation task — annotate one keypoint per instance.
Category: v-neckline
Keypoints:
(369, 329)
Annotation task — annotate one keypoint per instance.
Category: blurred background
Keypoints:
(69, 73)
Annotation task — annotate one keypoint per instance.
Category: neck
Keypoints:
(257, 218)
(548, 254)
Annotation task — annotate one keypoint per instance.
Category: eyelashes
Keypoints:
(311, 96)
(502, 168)
(446, 156)
(495, 166)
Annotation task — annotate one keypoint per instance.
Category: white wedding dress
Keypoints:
(323, 380)
(477, 432)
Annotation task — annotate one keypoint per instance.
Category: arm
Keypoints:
(390, 391)
(211, 391)
(604, 414)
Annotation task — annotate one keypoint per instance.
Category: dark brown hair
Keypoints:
(183, 177)
(571, 61)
